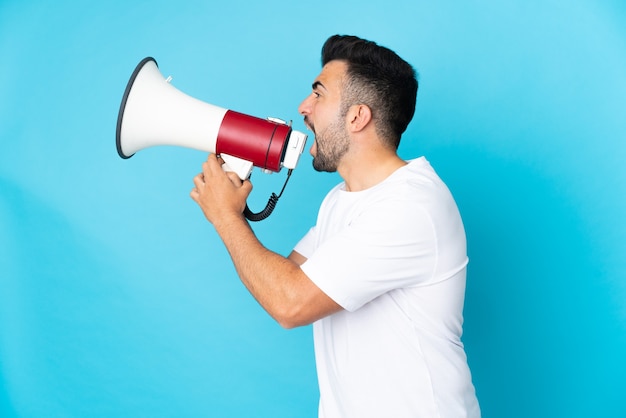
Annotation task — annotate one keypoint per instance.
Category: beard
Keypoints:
(331, 145)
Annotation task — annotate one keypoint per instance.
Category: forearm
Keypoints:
(276, 282)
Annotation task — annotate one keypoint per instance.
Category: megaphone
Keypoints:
(154, 112)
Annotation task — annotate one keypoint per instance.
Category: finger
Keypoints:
(234, 178)
(212, 165)
(206, 167)
(198, 181)
(247, 186)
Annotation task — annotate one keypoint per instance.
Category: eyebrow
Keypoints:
(317, 84)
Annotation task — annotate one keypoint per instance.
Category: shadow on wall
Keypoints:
(542, 330)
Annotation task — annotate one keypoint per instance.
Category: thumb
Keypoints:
(246, 187)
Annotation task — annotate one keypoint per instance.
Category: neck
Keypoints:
(367, 170)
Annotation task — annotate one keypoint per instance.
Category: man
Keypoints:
(381, 276)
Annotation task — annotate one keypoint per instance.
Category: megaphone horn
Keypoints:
(153, 112)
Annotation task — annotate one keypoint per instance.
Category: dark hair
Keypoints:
(378, 78)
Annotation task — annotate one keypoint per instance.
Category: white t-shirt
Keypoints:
(394, 257)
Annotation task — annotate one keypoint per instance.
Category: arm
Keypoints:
(297, 258)
(276, 282)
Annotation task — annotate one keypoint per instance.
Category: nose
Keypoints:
(305, 107)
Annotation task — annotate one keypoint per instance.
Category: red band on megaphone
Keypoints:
(257, 140)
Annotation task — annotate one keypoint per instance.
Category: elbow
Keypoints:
(290, 323)
(292, 317)
(287, 324)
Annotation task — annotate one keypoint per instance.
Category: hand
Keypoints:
(219, 194)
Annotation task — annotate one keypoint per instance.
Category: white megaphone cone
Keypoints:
(153, 112)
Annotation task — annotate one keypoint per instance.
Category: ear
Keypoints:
(359, 116)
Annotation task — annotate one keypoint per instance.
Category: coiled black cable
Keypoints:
(269, 208)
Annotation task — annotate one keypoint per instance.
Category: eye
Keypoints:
(316, 94)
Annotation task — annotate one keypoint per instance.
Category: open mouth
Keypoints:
(309, 125)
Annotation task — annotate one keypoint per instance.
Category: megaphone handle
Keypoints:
(241, 167)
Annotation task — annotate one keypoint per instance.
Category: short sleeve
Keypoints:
(306, 246)
(389, 245)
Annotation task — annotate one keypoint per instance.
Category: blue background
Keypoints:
(118, 299)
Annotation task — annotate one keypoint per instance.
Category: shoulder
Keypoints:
(413, 195)
(415, 182)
